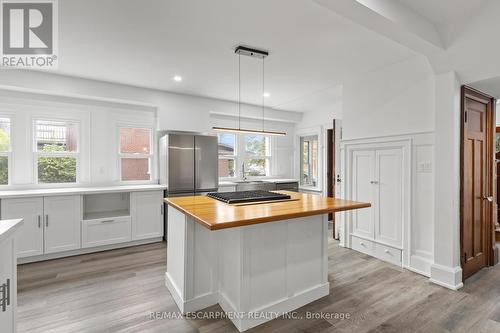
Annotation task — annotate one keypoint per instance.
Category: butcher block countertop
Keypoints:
(216, 215)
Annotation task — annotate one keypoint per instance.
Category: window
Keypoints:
(135, 153)
(252, 150)
(257, 155)
(227, 154)
(5, 150)
(309, 160)
(56, 150)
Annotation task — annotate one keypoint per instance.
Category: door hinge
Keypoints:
(465, 116)
(465, 257)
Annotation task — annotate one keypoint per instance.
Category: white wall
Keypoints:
(395, 100)
(175, 111)
(97, 135)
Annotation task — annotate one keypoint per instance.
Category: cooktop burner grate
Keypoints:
(247, 196)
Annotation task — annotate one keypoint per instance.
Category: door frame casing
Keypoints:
(468, 92)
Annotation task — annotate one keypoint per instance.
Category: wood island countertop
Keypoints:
(216, 215)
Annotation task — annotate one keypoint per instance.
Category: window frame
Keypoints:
(233, 157)
(8, 153)
(149, 156)
(249, 156)
(75, 154)
(242, 156)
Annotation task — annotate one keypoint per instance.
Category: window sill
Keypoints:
(310, 189)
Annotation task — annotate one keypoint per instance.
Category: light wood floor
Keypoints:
(115, 291)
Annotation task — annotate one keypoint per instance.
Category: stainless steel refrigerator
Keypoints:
(188, 165)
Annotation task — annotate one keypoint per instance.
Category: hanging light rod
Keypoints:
(237, 130)
(248, 51)
(254, 53)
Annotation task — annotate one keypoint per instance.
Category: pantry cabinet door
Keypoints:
(30, 235)
(389, 203)
(62, 223)
(363, 167)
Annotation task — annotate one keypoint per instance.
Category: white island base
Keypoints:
(256, 273)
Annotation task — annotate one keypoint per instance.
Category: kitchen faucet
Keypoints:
(243, 174)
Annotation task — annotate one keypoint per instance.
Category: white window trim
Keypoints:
(241, 156)
(37, 154)
(149, 156)
(303, 132)
(8, 153)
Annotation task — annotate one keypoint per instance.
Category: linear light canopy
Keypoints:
(254, 53)
(238, 130)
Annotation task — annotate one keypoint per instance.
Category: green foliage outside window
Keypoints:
(4, 160)
(56, 169)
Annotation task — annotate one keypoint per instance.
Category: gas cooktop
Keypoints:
(247, 196)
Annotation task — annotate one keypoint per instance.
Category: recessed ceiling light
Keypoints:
(177, 78)
(266, 95)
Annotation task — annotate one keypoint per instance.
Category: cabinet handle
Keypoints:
(39, 221)
(162, 208)
(361, 243)
(374, 182)
(107, 221)
(47, 220)
(5, 298)
(386, 251)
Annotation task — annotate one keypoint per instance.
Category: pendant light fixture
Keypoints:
(254, 53)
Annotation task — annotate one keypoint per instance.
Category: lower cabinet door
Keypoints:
(30, 235)
(106, 231)
(62, 223)
(7, 275)
(147, 214)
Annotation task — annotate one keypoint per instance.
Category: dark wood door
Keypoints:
(477, 194)
(330, 169)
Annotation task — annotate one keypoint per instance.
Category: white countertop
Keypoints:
(78, 190)
(268, 180)
(8, 227)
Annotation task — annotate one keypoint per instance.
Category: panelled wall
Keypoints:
(390, 105)
(395, 173)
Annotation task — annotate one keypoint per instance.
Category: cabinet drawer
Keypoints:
(106, 231)
(363, 245)
(288, 186)
(388, 254)
(227, 189)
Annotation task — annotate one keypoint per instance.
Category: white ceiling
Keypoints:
(442, 11)
(145, 43)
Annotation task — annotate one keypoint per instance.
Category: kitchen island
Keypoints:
(257, 261)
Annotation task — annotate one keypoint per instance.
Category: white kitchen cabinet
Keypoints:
(363, 166)
(9, 230)
(30, 241)
(106, 231)
(51, 224)
(62, 223)
(378, 177)
(147, 210)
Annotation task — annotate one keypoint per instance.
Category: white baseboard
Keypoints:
(195, 304)
(282, 307)
(448, 277)
(87, 250)
(420, 265)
